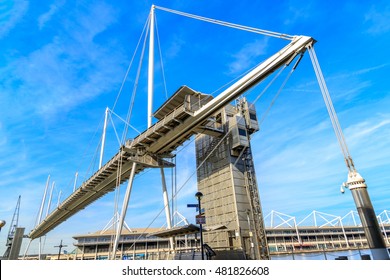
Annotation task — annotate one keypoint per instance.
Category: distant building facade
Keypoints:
(140, 244)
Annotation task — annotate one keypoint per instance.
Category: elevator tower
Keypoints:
(226, 176)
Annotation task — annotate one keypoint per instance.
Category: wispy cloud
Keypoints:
(243, 59)
(69, 70)
(44, 18)
(174, 47)
(378, 20)
(297, 12)
(11, 13)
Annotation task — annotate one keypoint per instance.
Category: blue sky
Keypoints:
(62, 64)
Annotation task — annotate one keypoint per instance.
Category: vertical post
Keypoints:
(252, 251)
(28, 247)
(39, 248)
(383, 229)
(75, 181)
(353, 218)
(371, 228)
(166, 206)
(40, 214)
(59, 249)
(43, 201)
(345, 235)
(59, 198)
(103, 138)
(151, 68)
(124, 209)
(297, 231)
(199, 196)
(50, 196)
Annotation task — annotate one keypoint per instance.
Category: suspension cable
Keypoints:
(116, 115)
(332, 114)
(130, 64)
(131, 105)
(232, 25)
(161, 58)
(280, 90)
(116, 134)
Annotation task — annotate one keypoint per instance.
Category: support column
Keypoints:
(103, 138)
(28, 247)
(151, 68)
(370, 224)
(166, 207)
(50, 196)
(124, 209)
(43, 202)
(76, 175)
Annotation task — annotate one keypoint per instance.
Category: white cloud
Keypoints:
(12, 13)
(244, 58)
(378, 20)
(174, 47)
(44, 18)
(298, 12)
(68, 71)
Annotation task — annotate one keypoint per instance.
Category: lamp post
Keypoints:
(199, 196)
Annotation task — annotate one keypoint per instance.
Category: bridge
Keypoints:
(188, 113)
(177, 124)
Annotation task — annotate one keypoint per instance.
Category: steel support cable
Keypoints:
(272, 102)
(328, 102)
(280, 90)
(126, 123)
(94, 158)
(161, 58)
(328, 106)
(232, 25)
(130, 64)
(331, 111)
(131, 105)
(116, 200)
(234, 80)
(86, 150)
(116, 134)
(257, 98)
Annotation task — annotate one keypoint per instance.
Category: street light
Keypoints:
(199, 196)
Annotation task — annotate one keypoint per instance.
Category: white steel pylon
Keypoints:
(113, 222)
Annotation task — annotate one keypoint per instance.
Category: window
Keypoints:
(252, 116)
(242, 132)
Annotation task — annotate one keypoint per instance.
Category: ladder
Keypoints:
(254, 200)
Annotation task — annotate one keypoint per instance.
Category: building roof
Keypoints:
(176, 100)
(183, 230)
(136, 231)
